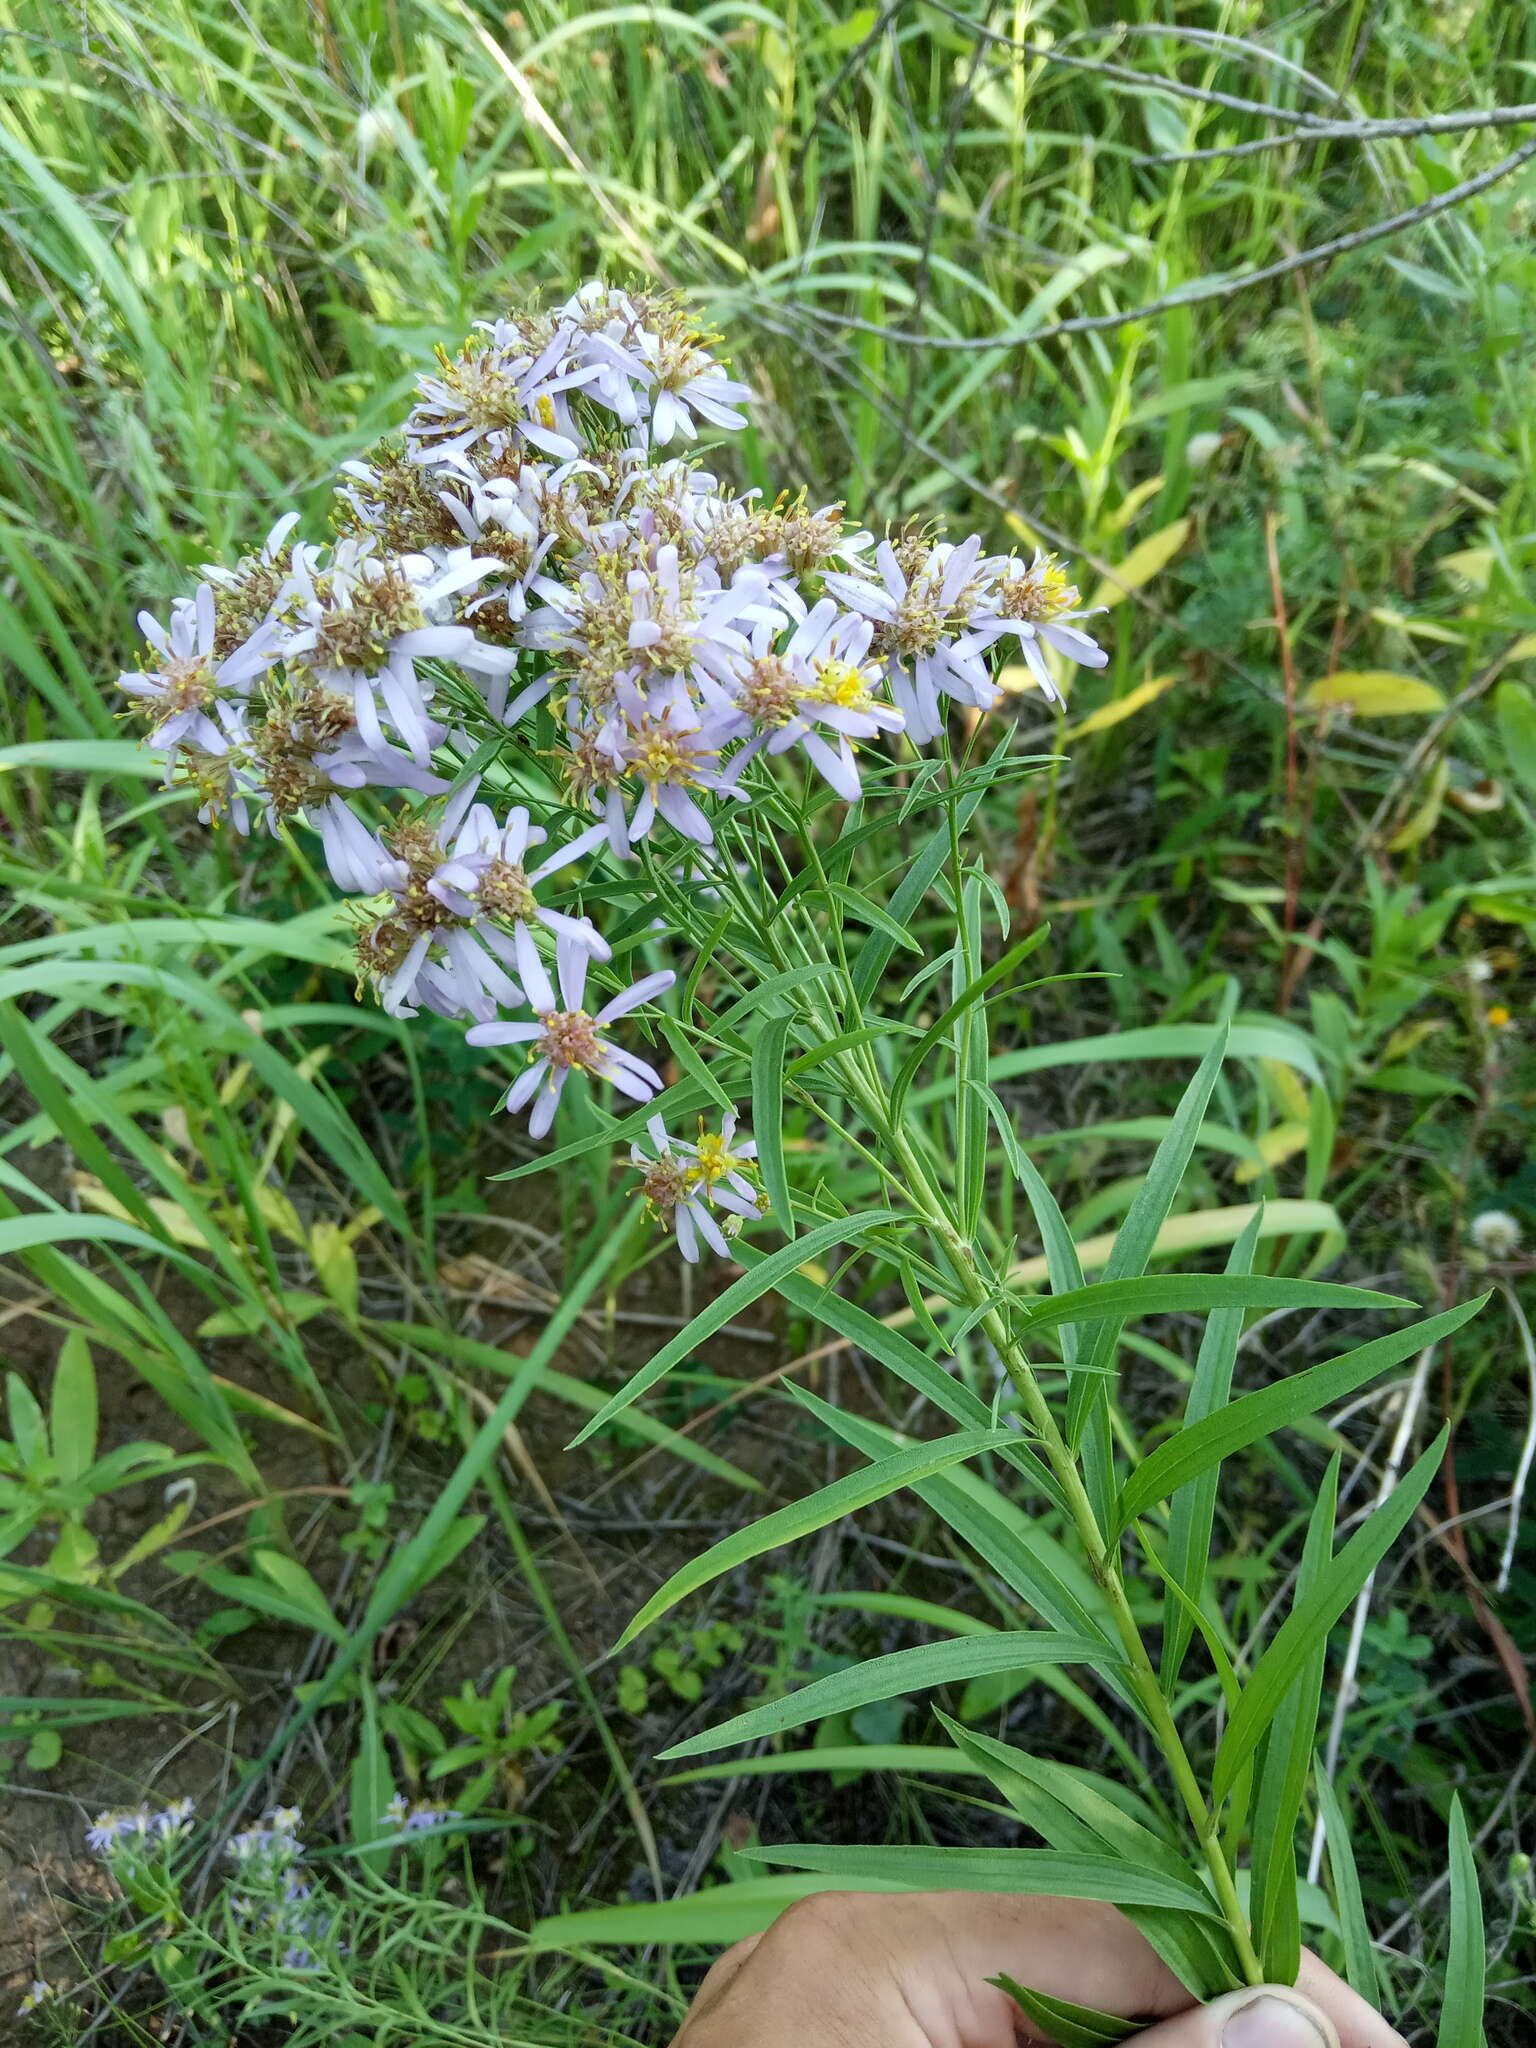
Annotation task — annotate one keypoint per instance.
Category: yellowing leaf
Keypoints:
(1132, 503)
(1523, 649)
(1279, 1143)
(1426, 815)
(1122, 707)
(1375, 693)
(1287, 1090)
(1471, 565)
(176, 1224)
(1021, 529)
(1142, 563)
(335, 1265)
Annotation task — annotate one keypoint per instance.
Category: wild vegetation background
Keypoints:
(991, 264)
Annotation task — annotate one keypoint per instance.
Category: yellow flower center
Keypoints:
(841, 683)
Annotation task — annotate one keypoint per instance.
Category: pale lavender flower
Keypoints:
(669, 749)
(922, 630)
(112, 1829)
(1034, 601)
(40, 1993)
(683, 1179)
(566, 1038)
(363, 622)
(503, 392)
(181, 695)
(822, 678)
(486, 873)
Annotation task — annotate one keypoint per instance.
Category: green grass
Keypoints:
(231, 241)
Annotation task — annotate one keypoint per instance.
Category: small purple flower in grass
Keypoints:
(39, 1994)
(112, 1830)
(182, 694)
(412, 1819)
(566, 1039)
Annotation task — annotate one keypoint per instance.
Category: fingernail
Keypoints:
(1271, 2023)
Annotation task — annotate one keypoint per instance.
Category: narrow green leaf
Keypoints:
(1466, 1964)
(752, 1285)
(1158, 1294)
(915, 884)
(1195, 1450)
(72, 1409)
(1051, 1872)
(370, 1786)
(768, 1117)
(1192, 1510)
(802, 1517)
(1309, 1621)
(1068, 2025)
(939, 1029)
(1088, 1390)
(1281, 1767)
(1024, 1554)
(1348, 1900)
(884, 1678)
(713, 1918)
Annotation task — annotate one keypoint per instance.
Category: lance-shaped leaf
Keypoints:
(752, 1285)
(903, 1671)
(1088, 1388)
(1068, 2025)
(1310, 1620)
(1025, 1556)
(1466, 1965)
(1245, 1421)
(1281, 1767)
(1159, 1294)
(1192, 1510)
(1348, 1900)
(804, 1517)
(768, 1117)
(1052, 1873)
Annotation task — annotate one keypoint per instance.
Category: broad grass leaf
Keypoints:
(1242, 1422)
(1311, 1618)
(885, 1678)
(1118, 709)
(1466, 1964)
(803, 1517)
(752, 1285)
(72, 1409)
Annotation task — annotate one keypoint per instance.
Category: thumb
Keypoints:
(1260, 2016)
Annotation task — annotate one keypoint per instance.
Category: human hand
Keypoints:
(909, 1970)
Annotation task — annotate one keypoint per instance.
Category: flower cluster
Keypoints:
(539, 626)
(137, 1830)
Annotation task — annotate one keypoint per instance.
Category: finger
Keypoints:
(1266, 2016)
(718, 1979)
(1359, 2025)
